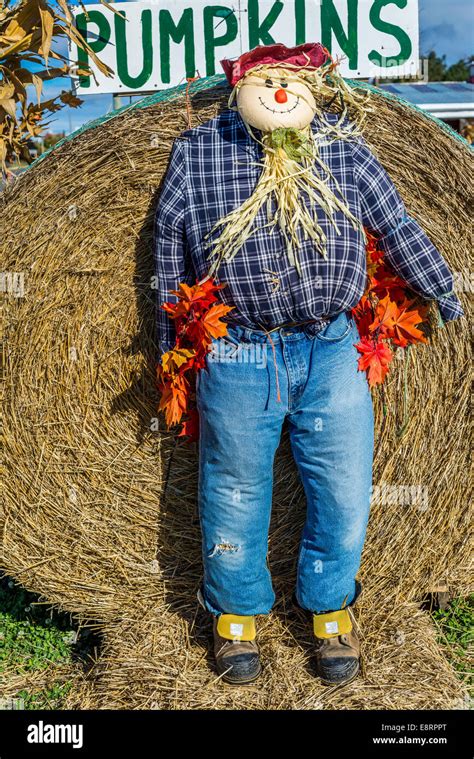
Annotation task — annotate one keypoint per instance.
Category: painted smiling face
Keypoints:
(274, 99)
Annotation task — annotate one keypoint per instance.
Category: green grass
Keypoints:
(28, 646)
(44, 699)
(34, 636)
(456, 630)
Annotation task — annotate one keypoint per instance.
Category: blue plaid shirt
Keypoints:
(211, 173)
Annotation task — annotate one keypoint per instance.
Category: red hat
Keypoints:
(309, 54)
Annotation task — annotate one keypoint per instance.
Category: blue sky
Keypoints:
(446, 27)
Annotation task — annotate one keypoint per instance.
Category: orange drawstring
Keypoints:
(289, 324)
(274, 361)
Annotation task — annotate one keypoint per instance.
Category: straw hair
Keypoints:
(325, 83)
(100, 508)
(287, 174)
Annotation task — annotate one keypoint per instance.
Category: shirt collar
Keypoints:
(245, 141)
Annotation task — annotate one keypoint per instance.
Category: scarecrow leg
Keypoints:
(240, 430)
(332, 439)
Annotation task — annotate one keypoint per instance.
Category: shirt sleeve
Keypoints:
(406, 247)
(172, 262)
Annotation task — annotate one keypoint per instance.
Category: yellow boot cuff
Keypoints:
(236, 627)
(331, 624)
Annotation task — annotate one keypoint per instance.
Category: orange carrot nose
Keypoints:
(281, 96)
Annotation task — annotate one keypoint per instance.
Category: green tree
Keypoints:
(436, 66)
(459, 72)
(438, 71)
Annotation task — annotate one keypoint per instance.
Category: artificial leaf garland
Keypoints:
(197, 315)
(388, 317)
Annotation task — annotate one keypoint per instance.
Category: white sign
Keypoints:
(158, 44)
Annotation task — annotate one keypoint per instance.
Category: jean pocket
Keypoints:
(337, 329)
(232, 336)
(226, 347)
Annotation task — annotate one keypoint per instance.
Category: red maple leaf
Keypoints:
(385, 282)
(364, 315)
(375, 359)
(190, 427)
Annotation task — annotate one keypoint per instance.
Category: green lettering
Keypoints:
(330, 22)
(400, 35)
(134, 82)
(102, 39)
(184, 29)
(210, 41)
(300, 22)
(259, 32)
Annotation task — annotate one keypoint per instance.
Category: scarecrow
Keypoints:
(264, 216)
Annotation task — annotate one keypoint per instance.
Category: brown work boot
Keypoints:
(235, 648)
(337, 646)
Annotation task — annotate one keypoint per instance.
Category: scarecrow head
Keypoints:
(278, 87)
(269, 91)
(278, 91)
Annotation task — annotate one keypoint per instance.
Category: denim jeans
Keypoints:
(328, 405)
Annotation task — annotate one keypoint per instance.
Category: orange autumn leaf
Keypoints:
(188, 293)
(211, 322)
(404, 330)
(385, 313)
(188, 296)
(375, 359)
(175, 310)
(173, 399)
(422, 308)
(172, 360)
(210, 288)
(197, 316)
(203, 294)
(192, 300)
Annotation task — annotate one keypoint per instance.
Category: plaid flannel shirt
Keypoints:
(214, 167)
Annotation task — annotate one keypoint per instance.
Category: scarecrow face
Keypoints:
(274, 99)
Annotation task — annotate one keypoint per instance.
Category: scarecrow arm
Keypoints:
(407, 248)
(172, 261)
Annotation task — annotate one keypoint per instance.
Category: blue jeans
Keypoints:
(328, 405)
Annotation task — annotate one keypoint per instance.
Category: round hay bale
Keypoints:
(86, 520)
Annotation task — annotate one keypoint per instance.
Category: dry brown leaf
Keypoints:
(47, 24)
(27, 31)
